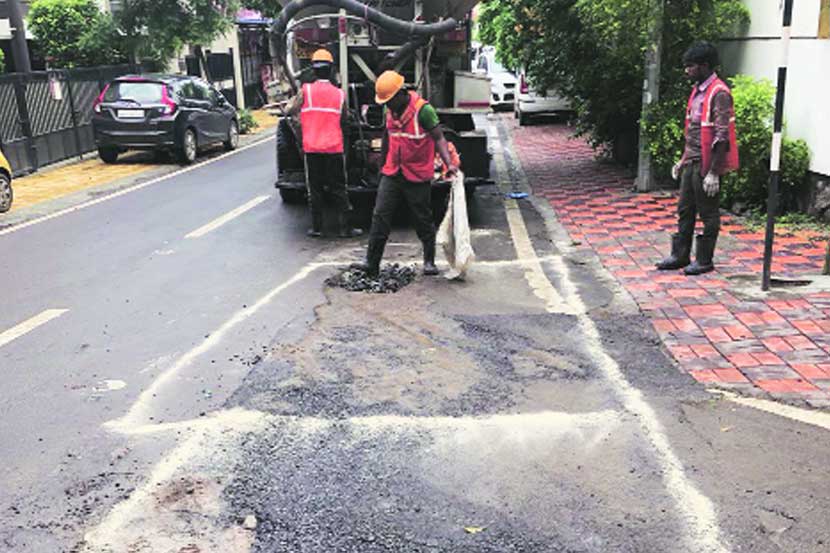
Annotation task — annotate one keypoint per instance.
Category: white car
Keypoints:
(502, 82)
(530, 102)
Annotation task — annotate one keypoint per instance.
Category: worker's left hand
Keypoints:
(711, 184)
(452, 170)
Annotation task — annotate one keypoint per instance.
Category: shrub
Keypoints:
(754, 112)
(73, 33)
(247, 123)
(2, 62)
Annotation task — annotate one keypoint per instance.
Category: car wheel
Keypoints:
(233, 137)
(6, 193)
(524, 119)
(108, 155)
(188, 150)
(515, 114)
(292, 196)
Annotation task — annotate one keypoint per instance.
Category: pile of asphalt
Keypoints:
(391, 279)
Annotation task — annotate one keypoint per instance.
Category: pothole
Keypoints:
(391, 278)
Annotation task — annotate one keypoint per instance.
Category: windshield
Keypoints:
(142, 92)
(496, 67)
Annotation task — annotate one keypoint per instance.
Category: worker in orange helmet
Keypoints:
(412, 137)
(323, 118)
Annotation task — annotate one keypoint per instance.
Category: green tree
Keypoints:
(592, 52)
(158, 29)
(268, 8)
(74, 32)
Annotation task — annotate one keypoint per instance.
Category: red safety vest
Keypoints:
(707, 130)
(320, 118)
(411, 148)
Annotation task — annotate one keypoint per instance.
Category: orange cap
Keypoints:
(322, 55)
(387, 85)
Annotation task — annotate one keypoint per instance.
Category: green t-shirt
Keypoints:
(428, 118)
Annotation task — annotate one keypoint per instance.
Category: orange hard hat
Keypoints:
(322, 55)
(387, 85)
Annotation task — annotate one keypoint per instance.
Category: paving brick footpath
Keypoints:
(716, 328)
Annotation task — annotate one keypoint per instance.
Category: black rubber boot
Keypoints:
(705, 250)
(429, 260)
(679, 257)
(374, 253)
(346, 230)
(316, 230)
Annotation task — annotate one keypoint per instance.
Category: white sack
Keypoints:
(454, 233)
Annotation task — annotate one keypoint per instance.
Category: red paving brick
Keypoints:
(630, 232)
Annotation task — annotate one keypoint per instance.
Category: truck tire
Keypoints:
(292, 196)
(289, 158)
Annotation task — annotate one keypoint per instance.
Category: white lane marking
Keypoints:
(697, 511)
(813, 418)
(27, 326)
(130, 189)
(227, 217)
(209, 446)
(139, 411)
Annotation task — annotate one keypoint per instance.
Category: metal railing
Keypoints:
(46, 116)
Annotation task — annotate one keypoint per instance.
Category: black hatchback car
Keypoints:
(172, 113)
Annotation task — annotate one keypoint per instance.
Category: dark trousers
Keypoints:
(693, 202)
(417, 195)
(324, 173)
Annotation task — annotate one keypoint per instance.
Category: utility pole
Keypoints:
(651, 94)
(775, 154)
(20, 48)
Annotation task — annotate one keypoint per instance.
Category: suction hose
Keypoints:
(358, 9)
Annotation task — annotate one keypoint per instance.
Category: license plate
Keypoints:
(131, 113)
(377, 144)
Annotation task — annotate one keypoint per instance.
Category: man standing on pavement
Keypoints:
(323, 119)
(711, 151)
(412, 136)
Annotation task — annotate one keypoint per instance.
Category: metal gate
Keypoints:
(46, 116)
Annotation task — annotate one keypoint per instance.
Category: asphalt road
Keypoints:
(190, 389)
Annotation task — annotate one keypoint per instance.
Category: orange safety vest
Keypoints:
(411, 148)
(320, 118)
(707, 130)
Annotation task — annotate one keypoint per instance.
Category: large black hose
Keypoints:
(356, 8)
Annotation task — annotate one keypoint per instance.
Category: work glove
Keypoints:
(675, 171)
(711, 185)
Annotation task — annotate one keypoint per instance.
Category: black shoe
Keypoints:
(316, 230)
(430, 269)
(704, 252)
(366, 268)
(697, 269)
(374, 253)
(350, 233)
(346, 230)
(679, 257)
(671, 263)
(429, 260)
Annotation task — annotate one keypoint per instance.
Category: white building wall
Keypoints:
(807, 112)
